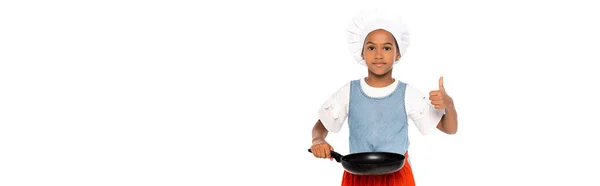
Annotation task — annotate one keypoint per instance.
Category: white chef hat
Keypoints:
(369, 20)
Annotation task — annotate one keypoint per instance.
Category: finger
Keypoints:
(314, 152)
(327, 153)
(435, 93)
(441, 83)
(434, 98)
(437, 102)
(322, 152)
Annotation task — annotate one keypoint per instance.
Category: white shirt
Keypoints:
(334, 112)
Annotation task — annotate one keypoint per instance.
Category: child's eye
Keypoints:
(387, 48)
(371, 48)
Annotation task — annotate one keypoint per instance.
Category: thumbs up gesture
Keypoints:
(439, 98)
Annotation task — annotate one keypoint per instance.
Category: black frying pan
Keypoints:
(370, 163)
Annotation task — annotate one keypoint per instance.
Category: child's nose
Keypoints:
(378, 54)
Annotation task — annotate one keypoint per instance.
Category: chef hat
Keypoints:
(369, 20)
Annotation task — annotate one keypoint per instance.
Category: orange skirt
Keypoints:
(403, 177)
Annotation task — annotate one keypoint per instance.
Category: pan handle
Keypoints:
(335, 155)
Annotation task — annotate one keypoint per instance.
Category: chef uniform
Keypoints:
(378, 116)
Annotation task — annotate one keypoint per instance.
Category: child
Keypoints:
(378, 106)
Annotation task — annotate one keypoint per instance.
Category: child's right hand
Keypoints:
(322, 150)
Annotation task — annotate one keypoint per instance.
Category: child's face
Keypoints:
(380, 52)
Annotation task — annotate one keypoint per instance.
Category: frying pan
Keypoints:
(370, 163)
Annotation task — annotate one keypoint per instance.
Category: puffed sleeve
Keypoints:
(334, 111)
(420, 111)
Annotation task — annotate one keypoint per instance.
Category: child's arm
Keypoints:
(319, 133)
(320, 148)
(332, 115)
(449, 122)
(441, 100)
(436, 113)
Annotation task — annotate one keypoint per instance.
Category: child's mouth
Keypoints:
(379, 64)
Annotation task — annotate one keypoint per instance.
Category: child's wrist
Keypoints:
(318, 141)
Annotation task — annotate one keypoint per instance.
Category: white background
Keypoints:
(184, 93)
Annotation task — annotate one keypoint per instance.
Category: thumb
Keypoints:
(441, 83)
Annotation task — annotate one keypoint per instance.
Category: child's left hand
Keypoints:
(439, 98)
